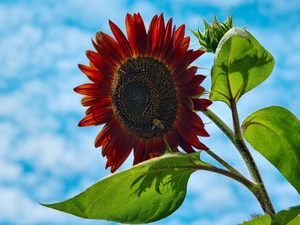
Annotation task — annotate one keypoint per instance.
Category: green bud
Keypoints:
(212, 34)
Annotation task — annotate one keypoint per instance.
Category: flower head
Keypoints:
(144, 91)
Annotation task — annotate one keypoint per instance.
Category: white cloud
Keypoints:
(45, 151)
(25, 108)
(211, 190)
(8, 132)
(285, 195)
(279, 6)
(146, 8)
(222, 220)
(29, 48)
(20, 209)
(15, 172)
(10, 23)
(218, 3)
(216, 197)
(15, 49)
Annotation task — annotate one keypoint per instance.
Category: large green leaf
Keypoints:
(262, 220)
(287, 215)
(275, 133)
(295, 221)
(241, 64)
(144, 193)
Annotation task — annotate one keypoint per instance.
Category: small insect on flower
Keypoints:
(157, 123)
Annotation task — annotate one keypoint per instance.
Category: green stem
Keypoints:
(262, 195)
(222, 161)
(237, 139)
(254, 188)
(220, 123)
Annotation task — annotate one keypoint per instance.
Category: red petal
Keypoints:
(122, 146)
(92, 73)
(196, 54)
(136, 33)
(142, 39)
(125, 151)
(198, 79)
(118, 137)
(143, 150)
(190, 117)
(187, 76)
(148, 149)
(179, 64)
(168, 43)
(97, 61)
(121, 39)
(196, 91)
(105, 133)
(108, 48)
(110, 62)
(96, 117)
(93, 90)
(101, 103)
(192, 122)
(179, 35)
(154, 155)
(88, 100)
(201, 104)
(190, 137)
(138, 151)
(95, 58)
(185, 101)
(106, 147)
(159, 147)
(150, 32)
(168, 32)
(195, 82)
(169, 46)
(186, 146)
(172, 138)
(156, 35)
(180, 50)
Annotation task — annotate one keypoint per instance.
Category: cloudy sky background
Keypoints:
(45, 157)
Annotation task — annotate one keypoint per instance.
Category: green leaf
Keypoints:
(241, 64)
(275, 133)
(262, 220)
(144, 193)
(295, 221)
(287, 215)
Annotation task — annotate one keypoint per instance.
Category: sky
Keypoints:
(45, 157)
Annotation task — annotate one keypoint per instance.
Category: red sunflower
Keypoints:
(144, 90)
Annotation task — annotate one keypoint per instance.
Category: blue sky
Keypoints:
(45, 157)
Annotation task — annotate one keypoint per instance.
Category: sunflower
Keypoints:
(144, 90)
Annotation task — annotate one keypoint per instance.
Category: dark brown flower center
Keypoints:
(144, 97)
